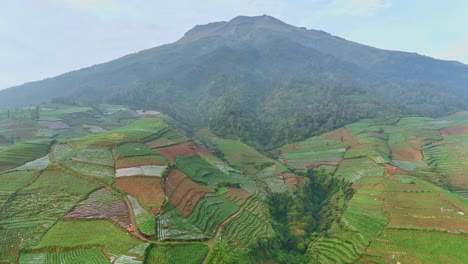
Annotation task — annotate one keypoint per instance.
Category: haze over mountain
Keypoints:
(257, 77)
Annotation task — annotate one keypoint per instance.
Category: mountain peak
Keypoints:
(238, 25)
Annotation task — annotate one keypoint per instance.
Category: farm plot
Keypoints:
(193, 253)
(354, 169)
(449, 157)
(276, 184)
(252, 223)
(91, 171)
(141, 130)
(413, 246)
(147, 170)
(210, 212)
(136, 255)
(11, 182)
(96, 233)
(362, 221)
(134, 154)
(172, 226)
(412, 203)
(101, 204)
(237, 196)
(184, 193)
(60, 151)
(34, 209)
(21, 153)
(146, 221)
(93, 155)
(168, 138)
(37, 164)
(75, 256)
(201, 171)
(314, 152)
(55, 125)
(369, 145)
(149, 190)
(187, 148)
(244, 158)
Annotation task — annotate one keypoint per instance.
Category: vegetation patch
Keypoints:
(34, 209)
(178, 253)
(172, 225)
(97, 233)
(75, 256)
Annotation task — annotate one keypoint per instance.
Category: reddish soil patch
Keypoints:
(188, 148)
(238, 196)
(93, 208)
(391, 170)
(416, 143)
(184, 193)
(407, 154)
(339, 134)
(137, 161)
(292, 180)
(460, 130)
(459, 181)
(149, 190)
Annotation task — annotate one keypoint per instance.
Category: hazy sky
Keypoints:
(44, 38)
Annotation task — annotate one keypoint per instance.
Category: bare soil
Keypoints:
(149, 190)
(188, 148)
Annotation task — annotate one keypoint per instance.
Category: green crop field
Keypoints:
(11, 182)
(75, 256)
(412, 246)
(171, 225)
(100, 233)
(252, 223)
(21, 153)
(34, 209)
(178, 253)
(201, 171)
(210, 212)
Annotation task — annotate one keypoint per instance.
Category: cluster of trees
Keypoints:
(301, 217)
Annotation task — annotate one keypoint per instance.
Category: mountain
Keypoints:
(262, 80)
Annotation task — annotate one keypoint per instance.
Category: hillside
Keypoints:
(112, 185)
(262, 80)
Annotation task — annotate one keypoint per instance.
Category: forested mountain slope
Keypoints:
(255, 77)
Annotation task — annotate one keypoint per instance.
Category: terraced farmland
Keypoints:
(252, 223)
(172, 226)
(75, 256)
(210, 212)
(411, 246)
(33, 210)
(180, 253)
(96, 233)
(12, 182)
(21, 153)
(183, 193)
(101, 204)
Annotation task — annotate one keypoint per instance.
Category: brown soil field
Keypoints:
(391, 170)
(238, 196)
(184, 193)
(116, 211)
(292, 180)
(339, 134)
(149, 190)
(459, 130)
(416, 143)
(137, 161)
(187, 148)
(407, 154)
(460, 181)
